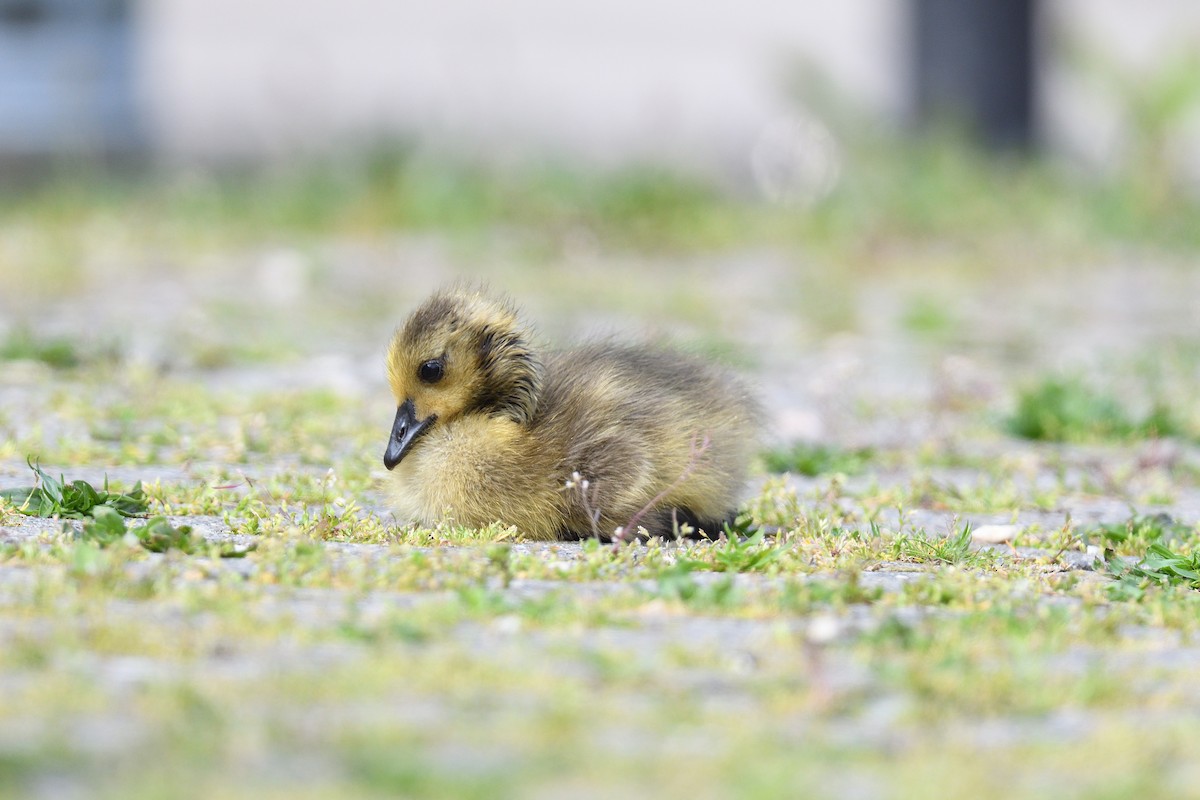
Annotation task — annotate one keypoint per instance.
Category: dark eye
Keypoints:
(431, 371)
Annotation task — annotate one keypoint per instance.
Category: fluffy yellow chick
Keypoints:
(598, 440)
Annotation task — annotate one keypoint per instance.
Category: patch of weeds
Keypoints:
(1139, 532)
(149, 418)
(202, 498)
(337, 520)
(805, 596)
(808, 458)
(922, 548)
(22, 345)
(925, 316)
(995, 661)
(985, 496)
(821, 544)
(1160, 566)
(270, 508)
(776, 505)
(51, 497)
(678, 583)
(157, 535)
(1164, 550)
(446, 532)
(736, 555)
(1070, 410)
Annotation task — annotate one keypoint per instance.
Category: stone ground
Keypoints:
(351, 654)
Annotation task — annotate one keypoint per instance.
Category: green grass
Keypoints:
(857, 640)
(923, 548)
(22, 345)
(157, 535)
(1149, 551)
(737, 554)
(928, 317)
(55, 497)
(489, 688)
(892, 190)
(812, 459)
(1158, 566)
(1071, 410)
(1139, 532)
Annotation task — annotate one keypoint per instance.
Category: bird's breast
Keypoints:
(477, 469)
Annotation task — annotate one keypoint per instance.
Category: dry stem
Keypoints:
(700, 446)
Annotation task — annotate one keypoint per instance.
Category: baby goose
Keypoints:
(574, 443)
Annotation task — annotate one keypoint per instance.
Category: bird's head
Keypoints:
(461, 352)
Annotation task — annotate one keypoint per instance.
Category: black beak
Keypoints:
(405, 432)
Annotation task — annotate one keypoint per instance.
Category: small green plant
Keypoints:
(920, 547)
(1162, 548)
(807, 458)
(157, 535)
(1139, 532)
(741, 555)
(1069, 410)
(50, 497)
(105, 528)
(1160, 566)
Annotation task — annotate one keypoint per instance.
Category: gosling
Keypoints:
(603, 440)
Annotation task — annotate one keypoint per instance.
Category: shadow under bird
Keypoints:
(598, 440)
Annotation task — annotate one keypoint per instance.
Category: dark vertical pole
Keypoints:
(974, 65)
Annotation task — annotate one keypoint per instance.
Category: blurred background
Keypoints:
(922, 198)
(717, 89)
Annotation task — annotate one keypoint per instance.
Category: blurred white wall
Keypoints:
(1102, 58)
(610, 80)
